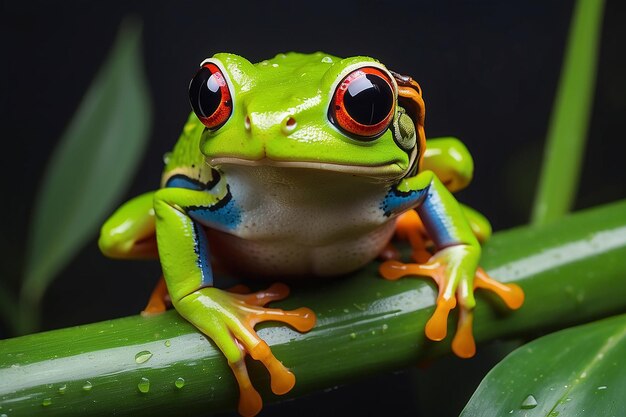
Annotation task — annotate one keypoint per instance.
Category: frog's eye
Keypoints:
(363, 103)
(210, 97)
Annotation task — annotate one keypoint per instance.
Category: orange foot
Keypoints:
(229, 317)
(450, 270)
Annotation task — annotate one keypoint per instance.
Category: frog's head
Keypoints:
(310, 111)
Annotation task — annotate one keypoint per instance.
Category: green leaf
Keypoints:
(567, 132)
(91, 167)
(574, 372)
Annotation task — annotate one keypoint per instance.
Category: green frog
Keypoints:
(304, 165)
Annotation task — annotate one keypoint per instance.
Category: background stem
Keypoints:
(567, 132)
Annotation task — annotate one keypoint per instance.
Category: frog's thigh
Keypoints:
(130, 231)
(450, 160)
(479, 223)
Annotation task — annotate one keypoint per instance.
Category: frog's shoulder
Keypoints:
(186, 158)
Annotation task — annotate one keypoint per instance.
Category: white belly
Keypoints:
(299, 222)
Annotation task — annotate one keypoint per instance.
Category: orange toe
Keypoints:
(393, 270)
(282, 379)
(250, 402)
(463, 344)
(511, 294)
(437, 326)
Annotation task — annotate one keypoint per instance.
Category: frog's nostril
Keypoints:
(288, 125)
(246, 123)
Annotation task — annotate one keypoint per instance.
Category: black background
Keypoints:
(488, 69)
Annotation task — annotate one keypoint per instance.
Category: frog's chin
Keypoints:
(384, 172)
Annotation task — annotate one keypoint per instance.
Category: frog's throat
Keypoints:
(385, 172)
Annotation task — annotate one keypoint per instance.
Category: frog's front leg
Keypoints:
(454, 265)
(227, 318)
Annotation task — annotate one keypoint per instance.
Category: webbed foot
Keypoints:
(228, 318)
(455, 271)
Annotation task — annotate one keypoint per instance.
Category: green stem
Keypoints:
(571, 270)
(567, 131)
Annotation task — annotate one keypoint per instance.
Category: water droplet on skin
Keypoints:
(529, 402)
(143, 356)
(144, 385)
(179, 383)
(62, 389)
(46, 402)
(327, 60)
(168, 343)
(87, 387)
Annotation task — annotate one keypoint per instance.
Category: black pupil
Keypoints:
(205, 93)
(368, 99)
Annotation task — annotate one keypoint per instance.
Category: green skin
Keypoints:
(257, 136)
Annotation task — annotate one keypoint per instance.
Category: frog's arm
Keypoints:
(182, 209)
(130, 232)
(454, 265)
(450, 160)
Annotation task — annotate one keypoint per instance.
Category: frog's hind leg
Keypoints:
(478, 223)
(410, 227)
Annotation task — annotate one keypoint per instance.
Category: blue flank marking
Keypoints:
(436, 221)
(203, 253)
(180, 181)
(396, 202)
(223, 214)
(227, 215)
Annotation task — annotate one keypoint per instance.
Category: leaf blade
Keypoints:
(89, 170)
(566, 372)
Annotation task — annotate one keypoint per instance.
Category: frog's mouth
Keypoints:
(385, 172)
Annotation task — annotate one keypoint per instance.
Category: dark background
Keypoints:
(488, 69)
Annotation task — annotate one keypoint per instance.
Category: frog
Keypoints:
(303, 166)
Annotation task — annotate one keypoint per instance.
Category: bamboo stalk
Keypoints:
(572, 271)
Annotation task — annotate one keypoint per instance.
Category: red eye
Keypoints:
(210, 97)
(363, 103)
